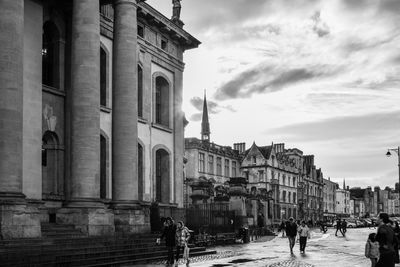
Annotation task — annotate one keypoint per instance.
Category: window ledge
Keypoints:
(142, 120)
(105, 109)
(161, 127)
(52, 90)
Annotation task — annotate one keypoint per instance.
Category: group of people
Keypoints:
(382, 247)
(292, 229)
(176, 237)
(341, 225)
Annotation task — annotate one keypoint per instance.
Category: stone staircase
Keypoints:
(64, 246)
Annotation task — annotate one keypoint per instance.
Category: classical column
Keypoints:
(124, 108)
(11, 83)
(85, 106)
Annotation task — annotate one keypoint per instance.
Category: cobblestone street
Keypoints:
(323, 250)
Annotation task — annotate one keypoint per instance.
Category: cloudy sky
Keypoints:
(322, 76)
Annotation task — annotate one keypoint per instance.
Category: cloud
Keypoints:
(212, 107)
(264, 79)
(346, 127)
(196, 117)
(319, 27)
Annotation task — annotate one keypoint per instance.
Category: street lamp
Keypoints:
(388, 154)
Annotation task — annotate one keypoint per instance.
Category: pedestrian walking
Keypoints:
(304, 233)
(339, 227)
(169, 233)
(282, 228)
(344, 227)
(385, 237)
(182, 238)
(291, 233)
(396, 230)
(372, 249)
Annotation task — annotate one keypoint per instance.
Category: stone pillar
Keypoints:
(17, 219)
(124, 113)
(84, 208)
(11, 83)
(85, 108)
(129, 217)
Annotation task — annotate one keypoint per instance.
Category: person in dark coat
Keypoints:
(386, 238)
(282, 228)
(291, 232)
(344, 227)
(169, 233)
(339, 227)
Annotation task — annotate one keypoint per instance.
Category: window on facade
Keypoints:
(284, 196)
(201, 162)
(284, 180)
(294, 197)
(164, 43)
(140, 31)
(261, 175)
(103, 77)
(140, 171)
(219, 166)
(294, 181)
(210, 164)
(162, 176)
(254, 160)
(162, 101)
(103, 167)
(289, 196)
(140, 91)
(227, 167)
(234, 169)
(50, 50)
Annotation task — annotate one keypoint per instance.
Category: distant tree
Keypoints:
(387, 188)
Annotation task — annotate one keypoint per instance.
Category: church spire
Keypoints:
(205, 125)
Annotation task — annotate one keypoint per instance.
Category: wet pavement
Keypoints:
(323, 250)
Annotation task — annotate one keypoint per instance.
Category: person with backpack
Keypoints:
(291, 232)
(386, 238)
(182, 238)
(169, 233)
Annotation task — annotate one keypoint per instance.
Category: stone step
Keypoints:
(95, 258)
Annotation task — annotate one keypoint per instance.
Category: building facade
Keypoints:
(92, 126)
(342, 202)
(329, 199)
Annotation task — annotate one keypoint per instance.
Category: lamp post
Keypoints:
(388, 154)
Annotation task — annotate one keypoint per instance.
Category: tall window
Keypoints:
(140, 91)
(162, 101)
(284, 180)
(294, 181)
(50, 52)
(219, 166)
(103, 77)
(289, 196)
(201, 162)
(294, 197)
(103, 167)
(284, 196)
(261, 175)
(226, 172)
(162, 176)
(140, 172)
(210, 164)
(234, 169)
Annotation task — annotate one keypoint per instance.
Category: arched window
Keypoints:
(103, 77)
(103, 167)
(51, 171)
(50, 55)
(162, 176)
(140, 91)
(140, 171)
(162, 101)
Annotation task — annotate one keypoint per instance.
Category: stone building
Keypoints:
(329, 199)
(211, 162)
(312, 179)
(342, 201)
(90, 113)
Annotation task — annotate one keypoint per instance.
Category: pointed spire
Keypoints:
(205, 125)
